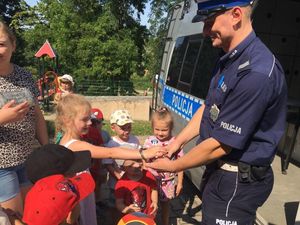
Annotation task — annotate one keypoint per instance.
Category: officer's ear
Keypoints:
(236, 16)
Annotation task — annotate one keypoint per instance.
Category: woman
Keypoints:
(21, 121)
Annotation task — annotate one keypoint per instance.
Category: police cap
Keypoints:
(208, 8)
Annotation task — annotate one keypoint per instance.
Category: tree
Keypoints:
(92, 40)
(160, 10)
(8, 8)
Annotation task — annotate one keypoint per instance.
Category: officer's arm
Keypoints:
(188, 133)
(204, 153)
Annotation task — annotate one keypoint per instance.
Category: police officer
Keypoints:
(241, 122)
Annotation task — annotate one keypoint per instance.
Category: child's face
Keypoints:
(161, 130)
(133, 167)
(122, 132)
(98, 124)
(67, 86)
(82, 121)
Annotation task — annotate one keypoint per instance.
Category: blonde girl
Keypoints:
(74, 119)
(162, 125)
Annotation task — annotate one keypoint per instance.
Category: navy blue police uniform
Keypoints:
(245, 109)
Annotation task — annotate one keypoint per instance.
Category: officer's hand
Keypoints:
(162, 164)
(172, 148)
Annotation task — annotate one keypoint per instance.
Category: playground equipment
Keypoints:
(48, 83)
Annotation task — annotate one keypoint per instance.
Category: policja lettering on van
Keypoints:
(231, 127)
(182, 105)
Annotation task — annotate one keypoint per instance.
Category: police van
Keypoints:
(189, 58)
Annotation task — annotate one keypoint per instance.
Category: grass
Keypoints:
(139, 128)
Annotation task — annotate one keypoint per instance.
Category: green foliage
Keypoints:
(92, 40)
(159, 21)
(141, 82)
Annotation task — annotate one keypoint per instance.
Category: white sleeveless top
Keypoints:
(87, 205)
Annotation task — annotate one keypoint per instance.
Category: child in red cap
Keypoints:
(56, 191)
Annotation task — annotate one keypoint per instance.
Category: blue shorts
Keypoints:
(11, 179)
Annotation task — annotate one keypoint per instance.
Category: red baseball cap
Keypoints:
(51, 198)
(96, 114)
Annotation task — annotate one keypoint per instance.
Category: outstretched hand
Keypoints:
(162, 164)
(11, 112)
(155, 152)
(172, 148)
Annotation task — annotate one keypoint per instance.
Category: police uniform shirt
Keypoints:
(246, 103)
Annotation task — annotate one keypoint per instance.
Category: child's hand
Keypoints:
(155, 152)
(132, 208)
(154, 208)
(178, 189)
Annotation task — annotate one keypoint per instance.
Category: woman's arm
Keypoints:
(40, 126)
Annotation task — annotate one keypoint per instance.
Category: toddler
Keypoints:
(66, 84)
(74, 118)
(162, 125)
(121, 124)
(136, 191)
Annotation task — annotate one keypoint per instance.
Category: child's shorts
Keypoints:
(11, 179)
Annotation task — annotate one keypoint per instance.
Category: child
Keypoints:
(97, 119)
(162, 124)
(66, 84)
(136, 191)
(97, 136)
(74, 119)
(121, 124)
(52, 168)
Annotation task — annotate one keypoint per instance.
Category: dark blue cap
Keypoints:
(207, 8)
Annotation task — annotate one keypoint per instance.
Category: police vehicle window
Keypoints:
(205, 65)
(176, 61)
(190, 61)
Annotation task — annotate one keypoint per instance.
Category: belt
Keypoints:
(228, 166)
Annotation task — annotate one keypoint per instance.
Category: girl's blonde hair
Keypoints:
(162, 114)
(5, 30)
(68, 107)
